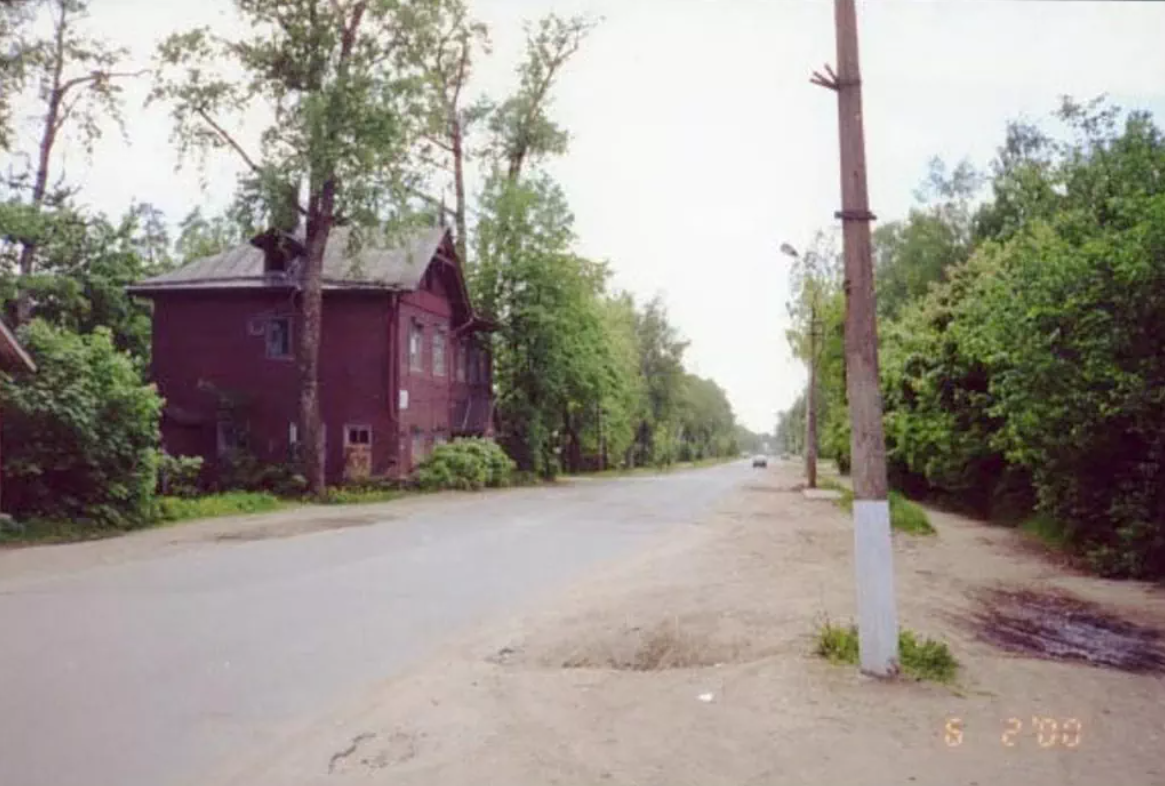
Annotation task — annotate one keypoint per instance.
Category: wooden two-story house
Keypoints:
(402, 362)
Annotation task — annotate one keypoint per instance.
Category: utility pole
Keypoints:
(873, 554)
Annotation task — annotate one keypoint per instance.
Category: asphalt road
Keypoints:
(151, 672)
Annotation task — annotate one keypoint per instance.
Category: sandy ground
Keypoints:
(732, 603)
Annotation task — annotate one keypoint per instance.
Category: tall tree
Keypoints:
(523, 131)
(448, 68)
(343, 81)
(77, 87)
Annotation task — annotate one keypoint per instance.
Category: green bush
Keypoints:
(80, 434)
(178, 476)
(466, 464)
(241, 470)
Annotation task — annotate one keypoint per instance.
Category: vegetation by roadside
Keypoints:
(905, 516)
(922, 659)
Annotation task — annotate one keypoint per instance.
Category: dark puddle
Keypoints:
(1065, 628)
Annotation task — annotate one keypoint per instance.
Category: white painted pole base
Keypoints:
(874, 566)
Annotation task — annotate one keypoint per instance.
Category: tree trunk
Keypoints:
(877, 612)
(811, 404)
(321, 216)
(48, 138)
(459, 188)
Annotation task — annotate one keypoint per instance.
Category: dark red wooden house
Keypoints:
(402, 362)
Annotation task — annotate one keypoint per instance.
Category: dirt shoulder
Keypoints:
(731, 604)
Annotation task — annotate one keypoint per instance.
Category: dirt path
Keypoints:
(721, 618)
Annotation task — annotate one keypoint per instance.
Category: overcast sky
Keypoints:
(699, 146)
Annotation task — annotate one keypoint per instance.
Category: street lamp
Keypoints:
(811, 392)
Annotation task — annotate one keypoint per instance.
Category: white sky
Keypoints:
(699, 146)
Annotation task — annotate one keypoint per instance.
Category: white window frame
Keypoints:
(267, 338)
(350, 427)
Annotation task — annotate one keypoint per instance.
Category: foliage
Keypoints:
(84, 263)
(905, 515)
(1020, 342)
(241, 470)
(178, 476)
(230, 503)
(465, 464)
(925, 659)
(81, 433)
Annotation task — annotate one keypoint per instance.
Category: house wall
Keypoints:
(432, 398)
(204, 337)
(203, 343)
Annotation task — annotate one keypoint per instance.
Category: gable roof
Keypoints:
(12, 355)
(372, 266)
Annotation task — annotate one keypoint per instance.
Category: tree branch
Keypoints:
(98, 76)
(229, 140)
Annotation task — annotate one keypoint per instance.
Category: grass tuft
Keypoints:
(925, 659)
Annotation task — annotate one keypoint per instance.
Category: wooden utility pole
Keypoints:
(877, 610)
(811, 402)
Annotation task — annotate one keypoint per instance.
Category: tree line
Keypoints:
(1021, 318)
(366, 123)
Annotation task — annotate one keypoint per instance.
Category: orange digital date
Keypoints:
(1046, 732)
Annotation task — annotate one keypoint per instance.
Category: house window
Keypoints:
(460, 362)
(471, 361)
(292, 433)
(439, 352)
(416, 341)
(440, 438)
(279, 337)
(357, 435)
(230, 437)
(483, 367)
(418, 446)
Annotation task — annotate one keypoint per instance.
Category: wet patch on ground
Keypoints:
(1061, 627)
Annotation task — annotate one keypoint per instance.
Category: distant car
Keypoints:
(760, 461)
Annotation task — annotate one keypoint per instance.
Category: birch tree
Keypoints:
(77, 81)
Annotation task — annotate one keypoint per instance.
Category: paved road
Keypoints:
(149, 672)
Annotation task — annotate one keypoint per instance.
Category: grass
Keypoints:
(905, 516)
(48, 531)
(922, 659)
(352, 496)
(230, 503)
(1047, 531)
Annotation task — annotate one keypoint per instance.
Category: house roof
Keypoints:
(13, 356)
(370, 266)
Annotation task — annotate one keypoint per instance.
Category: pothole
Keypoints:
(669, 645)
(1060, 627)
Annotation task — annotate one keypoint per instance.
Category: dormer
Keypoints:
(280, 249)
